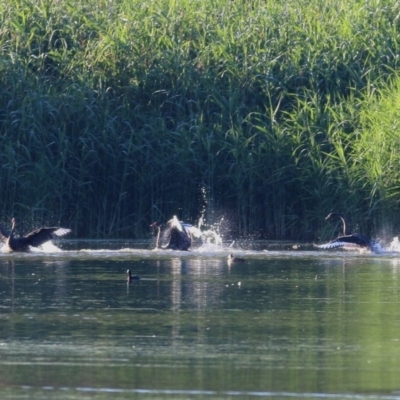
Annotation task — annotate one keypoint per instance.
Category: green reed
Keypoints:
(118, 113)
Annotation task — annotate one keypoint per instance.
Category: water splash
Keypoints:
(48, 247)
(211, 237)
(203, 210)
(394, 245)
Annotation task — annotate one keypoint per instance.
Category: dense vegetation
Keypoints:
(267, 114)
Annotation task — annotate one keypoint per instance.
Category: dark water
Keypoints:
(284, 324)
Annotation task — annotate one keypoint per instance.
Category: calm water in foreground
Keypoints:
(285, 324)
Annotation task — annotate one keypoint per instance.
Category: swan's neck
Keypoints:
(10, 239)
(12, 228)
(158, 236)
(344, 225)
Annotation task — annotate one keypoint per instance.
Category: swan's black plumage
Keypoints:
(33, 239)
(177, 235)
(131, 277)
(349, 242)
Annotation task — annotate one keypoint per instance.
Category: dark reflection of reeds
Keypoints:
(295, 325)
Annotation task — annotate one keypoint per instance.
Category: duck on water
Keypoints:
(235, 260)
(131, 277)
(33, 239)
(177, 235)
(349, 241)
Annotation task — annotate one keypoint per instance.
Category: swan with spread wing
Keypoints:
(33, 239)
(177, 235)
(349, 241)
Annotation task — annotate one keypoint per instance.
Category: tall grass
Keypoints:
(118, 113)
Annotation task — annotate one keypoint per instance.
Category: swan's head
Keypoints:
(333, 214)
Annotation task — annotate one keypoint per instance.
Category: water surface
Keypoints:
(286, 323)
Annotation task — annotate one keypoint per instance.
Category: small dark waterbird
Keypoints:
(33, 239)
(349, 241)
(131, 277)
(234, 260)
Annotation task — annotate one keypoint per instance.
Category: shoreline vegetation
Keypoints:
(115, 114)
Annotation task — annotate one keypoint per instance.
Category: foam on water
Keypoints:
(48, 247)
(210, 245)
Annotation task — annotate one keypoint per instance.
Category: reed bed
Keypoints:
(114, 114)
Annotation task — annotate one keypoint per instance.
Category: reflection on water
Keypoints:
(283, 324)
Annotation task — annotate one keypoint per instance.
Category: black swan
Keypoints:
(349, 242)
(232, 260)
(130, 277)
(33, 239)
(177, 234)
